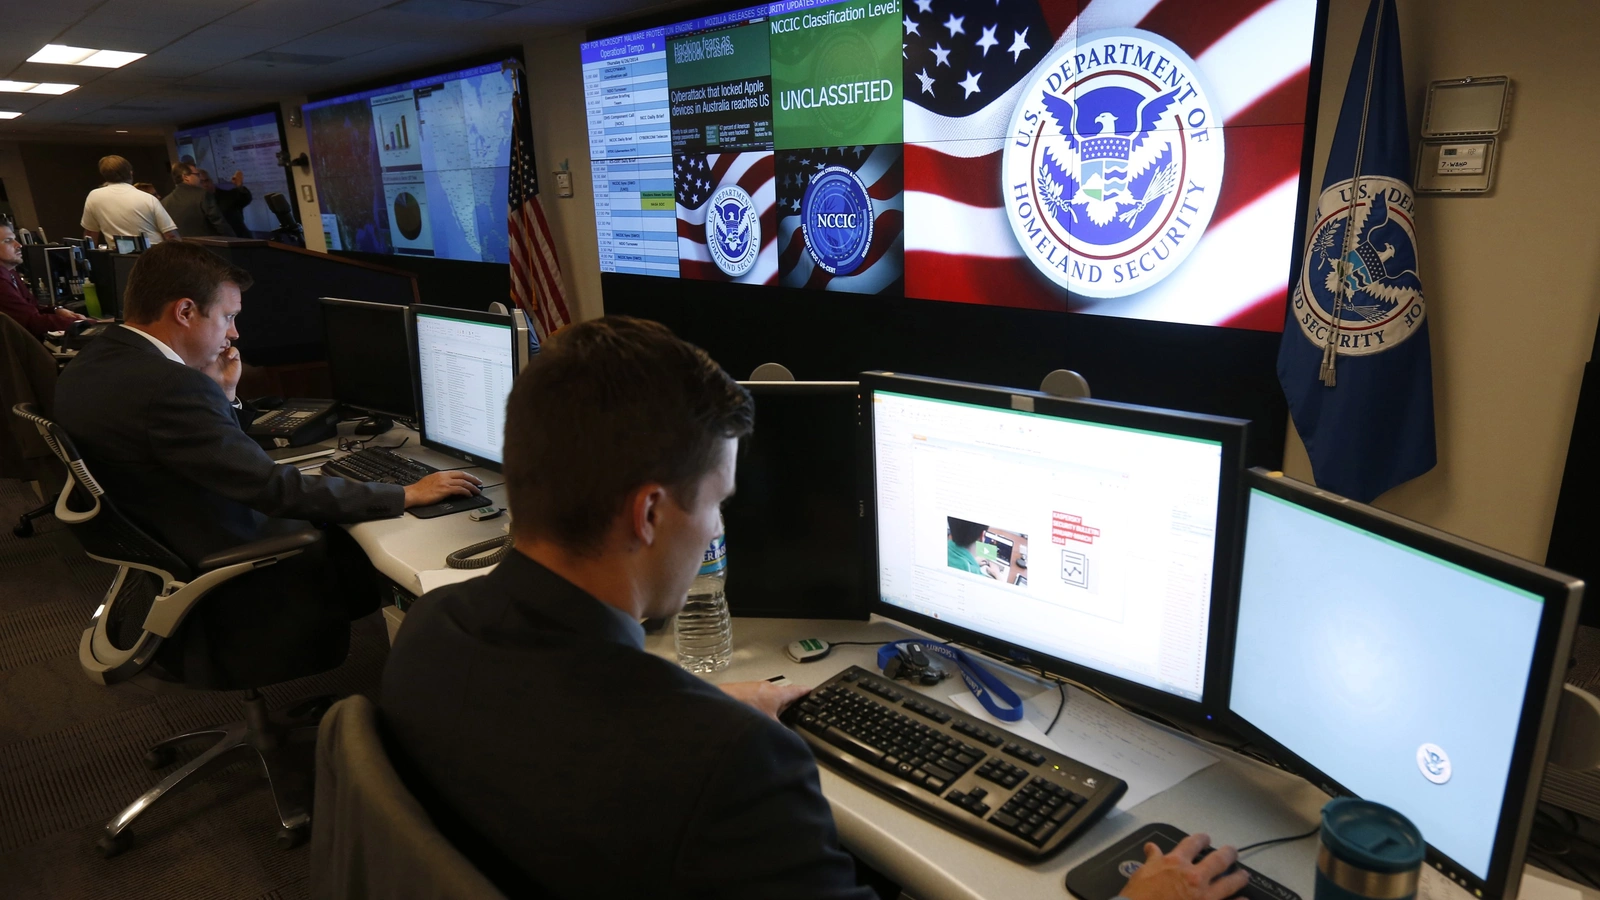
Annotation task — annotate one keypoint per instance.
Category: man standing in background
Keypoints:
(192, 207)
(117, 207)
(232, 197)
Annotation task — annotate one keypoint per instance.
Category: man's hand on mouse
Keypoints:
(1178, 876)
(440, 486)
(765, 696)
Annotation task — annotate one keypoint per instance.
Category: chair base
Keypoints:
(24, 527)
(270, 736)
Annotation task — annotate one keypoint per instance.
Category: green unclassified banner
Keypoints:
(836, 75)
(718, 56)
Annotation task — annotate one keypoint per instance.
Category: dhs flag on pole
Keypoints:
(1354, 362)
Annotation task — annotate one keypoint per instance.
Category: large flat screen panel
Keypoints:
(246, 144)
(1119, 157)
(419, 168)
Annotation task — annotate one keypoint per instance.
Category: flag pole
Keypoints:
(1330, 352)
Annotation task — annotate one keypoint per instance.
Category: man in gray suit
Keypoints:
(193, 208)
(151, 406)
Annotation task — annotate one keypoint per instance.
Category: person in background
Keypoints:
(192, 207)
(232, 197)
(147, 187)
(16, 300)
(117, 207)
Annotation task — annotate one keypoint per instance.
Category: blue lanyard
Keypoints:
(983, 683)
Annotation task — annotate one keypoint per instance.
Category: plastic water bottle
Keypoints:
(705, 631)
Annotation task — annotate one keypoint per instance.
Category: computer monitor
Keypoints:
(370, 348)
(466, 363)
(1398, 663)
(123, 243)
(1086, 538)
(794, 518)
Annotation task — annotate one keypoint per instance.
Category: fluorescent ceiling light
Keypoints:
(34, 87)
(7, 114)
(63, 55)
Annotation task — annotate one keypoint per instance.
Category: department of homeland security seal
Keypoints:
(1113, 164)
(733, 230)
(837, 216)
(1384, 305)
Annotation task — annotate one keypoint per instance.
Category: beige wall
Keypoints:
(310, 215)
(561, 134)
(1512, 278)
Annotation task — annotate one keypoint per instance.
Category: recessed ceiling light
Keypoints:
(34, 87)
(63, 55)
(122, 131)
(8, 114)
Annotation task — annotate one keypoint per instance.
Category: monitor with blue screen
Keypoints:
(1402, 665)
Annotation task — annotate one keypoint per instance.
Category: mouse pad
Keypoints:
(1103, 876)
(453, 505)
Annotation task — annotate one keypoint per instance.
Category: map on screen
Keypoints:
(419, 168)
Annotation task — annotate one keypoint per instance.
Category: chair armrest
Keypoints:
(261, 549)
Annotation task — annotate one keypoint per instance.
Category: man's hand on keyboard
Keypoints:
(441, 486)
(1179, 876)
(765, 696)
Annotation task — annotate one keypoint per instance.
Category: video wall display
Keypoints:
(419, 168)
(1127, 158)
(247, 144)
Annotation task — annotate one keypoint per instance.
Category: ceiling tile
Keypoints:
(308, 15)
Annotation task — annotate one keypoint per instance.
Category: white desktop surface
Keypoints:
(1238, 801)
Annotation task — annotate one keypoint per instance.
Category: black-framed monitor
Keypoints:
(1385, 659)
(249, 143)
(371, 354)
(125, 243)
(794, 517)
(1086, 538)
(466, 363)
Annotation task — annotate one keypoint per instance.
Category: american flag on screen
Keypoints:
(881, 171)
(696, 177)
(535, 272)
(966, 62)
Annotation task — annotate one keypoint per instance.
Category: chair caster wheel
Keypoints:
(111, 846)
(290, 838)
(23, 530)
(159, 758)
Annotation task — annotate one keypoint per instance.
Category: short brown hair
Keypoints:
(175, 270)
(608, 406)
(115, 169)
(179, 171)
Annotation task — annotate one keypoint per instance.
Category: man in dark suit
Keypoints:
(151, 406)
(555, 752)
(193, 208)
(232, 197)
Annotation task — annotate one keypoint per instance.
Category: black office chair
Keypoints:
(140, 628)
(27, 375)
(288, 230)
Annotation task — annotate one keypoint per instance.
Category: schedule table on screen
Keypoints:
(625, 95)
(636, 216)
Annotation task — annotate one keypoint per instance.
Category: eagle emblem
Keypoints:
(733, 230)
(1112, 167)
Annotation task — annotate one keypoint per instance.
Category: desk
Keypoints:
(1237, 801)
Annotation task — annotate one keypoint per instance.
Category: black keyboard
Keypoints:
(378, 464)
(1016, 796)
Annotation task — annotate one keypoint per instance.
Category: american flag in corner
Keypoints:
(535, 271)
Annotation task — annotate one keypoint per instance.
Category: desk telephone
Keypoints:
(295, 423)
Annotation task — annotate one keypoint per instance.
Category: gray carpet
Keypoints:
(71, 750)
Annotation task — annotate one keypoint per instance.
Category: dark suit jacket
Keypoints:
(164, 442)
(531, 711)
(195, 212)
(232, 201)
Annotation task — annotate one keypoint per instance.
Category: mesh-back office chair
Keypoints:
(27, 375)
(143, 614)
(373, 838)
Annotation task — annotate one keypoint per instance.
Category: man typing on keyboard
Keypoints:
(151, 405)
(526, 716)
